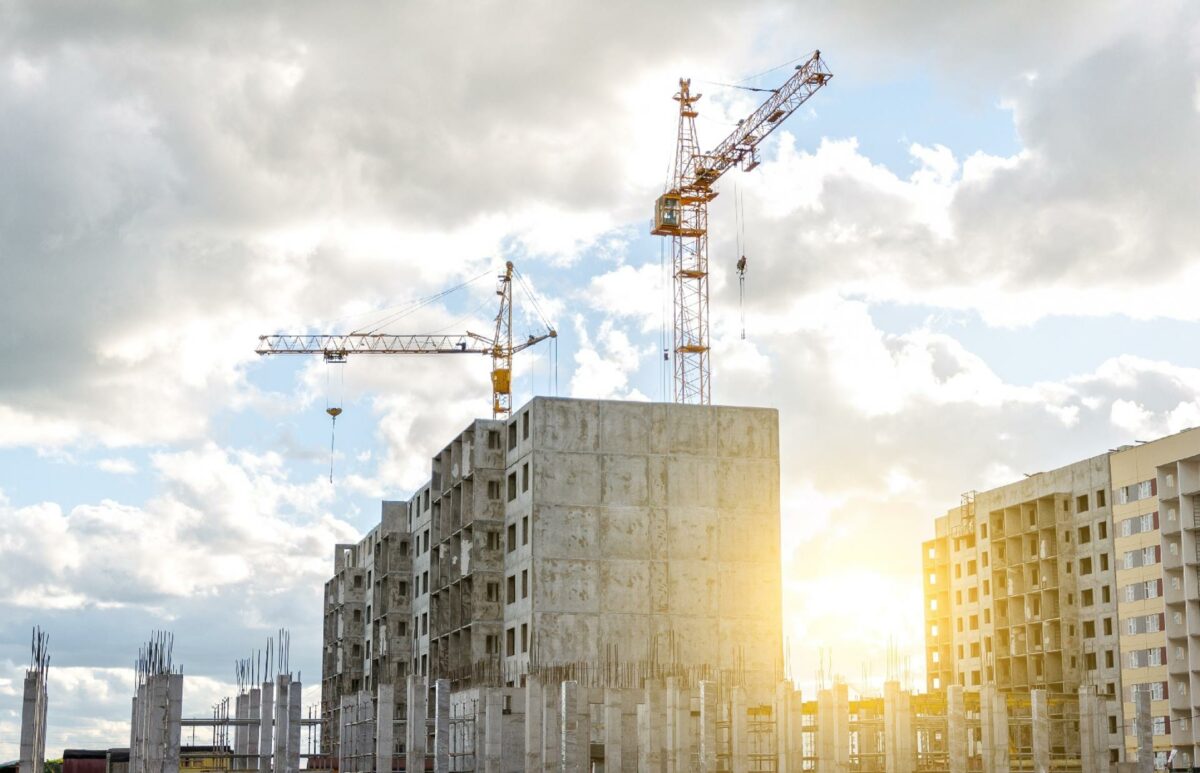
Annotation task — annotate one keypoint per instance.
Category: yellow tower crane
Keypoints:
(682, 213)
(499, 346)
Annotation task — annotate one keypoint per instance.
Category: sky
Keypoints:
(971, 257)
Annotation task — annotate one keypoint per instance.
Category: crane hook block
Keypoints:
(334, 412)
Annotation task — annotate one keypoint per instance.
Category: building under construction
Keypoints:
(596, 584)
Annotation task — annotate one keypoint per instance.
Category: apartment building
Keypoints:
(576, 534)
(1155, 486)
(1020, 589)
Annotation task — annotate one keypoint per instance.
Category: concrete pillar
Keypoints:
(1040, 722)
(551, 733)
(347, 711)
(441, 726)
(533, 723)
(782, 728)
(796, 730)
(254, 713)
(1144, 727)
(573, 758)
(415, 732)
(841, 732)
(987, 727)
(385, 714)
(241, 710)
(33, 725)
(655, 714)
(613, 727)
(295, 711)
(135, 710)
(493, 729)
(267, 726)
(739, 752)
(708, 727)
(897, 729)
(825, 732)
(643, 736)
(956, 729)
(1100, 734)
(1000, 732)
(282, 683)
(671, 727)
(173, 731)
(684, 742)
(1087, 731)
(155, 740)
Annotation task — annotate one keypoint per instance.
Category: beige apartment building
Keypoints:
(1021, 589)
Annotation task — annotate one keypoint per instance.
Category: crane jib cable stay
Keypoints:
(682, 212)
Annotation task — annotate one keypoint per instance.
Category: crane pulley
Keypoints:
(682, 212)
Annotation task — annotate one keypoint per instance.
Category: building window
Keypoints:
(424, 623)
(493, 490)
(1089, 661)
(512, 589)
(971, 567)
(525, 425)
(512, 435)
(1085, 535)
(1108, 626)
(1081, 503)
(512, 486)
(1104, 560)
(524, 583)
(512, 537)
(1105, 595)
(1089, 629)
(957, 571)
(524, 637)
(491, 644)
(1108, 659)
(1101, 530)
(493, 591)
(524, 477)
(1099, 497)
(525, 530)
(1085, 566)
(493, 439)
(510, 636)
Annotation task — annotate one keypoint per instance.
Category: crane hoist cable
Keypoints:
(334, 410)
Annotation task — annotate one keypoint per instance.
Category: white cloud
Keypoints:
(117, 466)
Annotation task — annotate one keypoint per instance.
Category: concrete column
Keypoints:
(1087, 731)
(385, 715)
(572, 756)
(1040, 721)
(415, 733)
(739, 752)
(825, 732)
(1100, 734)
(551, 732)
(1000, 732)
(282, 683)
(841, 732)
(655, 714)
(708, 727)
(493, 728)
(241, 709)
(133, 733)
(670, 727)
(782, 720)
(796, 731)
(295, 711)
(613, 720)
(987, 727)
(956, 729)
(897, 729)
(266, 729)
(33, 725)
(533, 723)
(173, 731)
(155, 742)
(1144, 727)
(254, 713)
(643, 736)
(346, 714)
(441, 726)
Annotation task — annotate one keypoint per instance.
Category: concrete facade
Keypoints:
(579, 537)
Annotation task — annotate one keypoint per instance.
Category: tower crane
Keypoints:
(499, 346)
(682, 212)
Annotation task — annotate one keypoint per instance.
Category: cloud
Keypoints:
(117, 466)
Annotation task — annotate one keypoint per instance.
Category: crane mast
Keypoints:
(499, 346)
(682, 213)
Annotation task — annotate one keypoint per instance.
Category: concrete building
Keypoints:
(1020, 590)
(578, 537)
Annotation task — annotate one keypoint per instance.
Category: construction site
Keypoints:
(595, 585)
